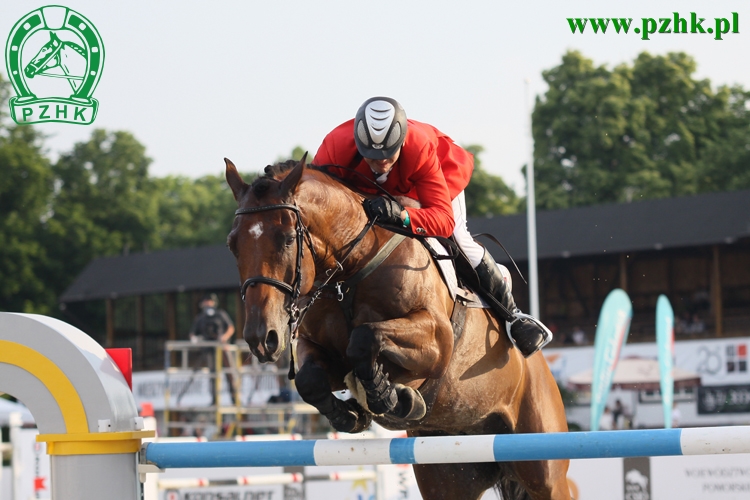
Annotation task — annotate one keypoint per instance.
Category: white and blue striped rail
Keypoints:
(451, 449)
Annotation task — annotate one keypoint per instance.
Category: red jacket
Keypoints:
(431, 169)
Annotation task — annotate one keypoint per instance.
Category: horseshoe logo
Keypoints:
(72, 51)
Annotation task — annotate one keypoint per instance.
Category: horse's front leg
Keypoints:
(419, 343)
(313, 381)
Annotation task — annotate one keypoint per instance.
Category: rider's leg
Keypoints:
(528, 333)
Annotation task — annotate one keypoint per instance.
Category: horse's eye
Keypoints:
(289, 241)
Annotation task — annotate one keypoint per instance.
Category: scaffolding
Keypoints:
(185, 362)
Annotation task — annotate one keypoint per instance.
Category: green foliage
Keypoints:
(25, 194)
(105, 204)
(488, 194)
(296, 155)
(649, 130)
(194, 212)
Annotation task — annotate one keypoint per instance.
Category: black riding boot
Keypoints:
(528, 333)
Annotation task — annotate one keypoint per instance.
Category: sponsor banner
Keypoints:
(270, 492)
(665, 349)
(399, 483)
(32, 461)
(709, 477)
(360, 489)
(717, 361)
(724, 399)
(611, 331)
(596, 479)
(193, 389)
(636, 478)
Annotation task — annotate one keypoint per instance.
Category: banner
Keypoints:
(611, 330)
(665, 349)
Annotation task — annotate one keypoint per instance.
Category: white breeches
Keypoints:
(473, 250)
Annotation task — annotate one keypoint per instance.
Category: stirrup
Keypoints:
(526, 348)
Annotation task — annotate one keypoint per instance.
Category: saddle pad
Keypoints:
(448, 271)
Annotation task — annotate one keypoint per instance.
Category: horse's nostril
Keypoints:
(272, 341)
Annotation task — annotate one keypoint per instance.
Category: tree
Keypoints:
(296, 154)
(488, 194)
(640, 131)
(194, 212)
(25, 193)
(105, 204)
(726, 162)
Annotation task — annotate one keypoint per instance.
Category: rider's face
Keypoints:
(381, 167)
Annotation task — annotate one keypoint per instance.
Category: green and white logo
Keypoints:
(54, 58)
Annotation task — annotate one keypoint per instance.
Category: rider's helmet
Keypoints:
(379, 128)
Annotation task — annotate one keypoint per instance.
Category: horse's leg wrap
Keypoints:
(341, 415)
(314, 388)
(364, 347)
(381, 394)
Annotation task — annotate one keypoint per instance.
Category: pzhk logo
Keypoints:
(54, 57)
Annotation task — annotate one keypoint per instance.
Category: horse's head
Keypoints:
(269, 242)
(45, 56)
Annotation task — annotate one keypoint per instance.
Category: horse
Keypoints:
(301, 238)
(69, 57)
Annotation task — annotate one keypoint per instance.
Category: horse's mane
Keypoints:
(273, 174)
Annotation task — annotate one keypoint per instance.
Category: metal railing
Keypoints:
(188, 358)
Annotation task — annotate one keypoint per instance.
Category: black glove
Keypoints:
(386, 210)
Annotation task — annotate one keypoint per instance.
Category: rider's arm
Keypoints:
(435, 217)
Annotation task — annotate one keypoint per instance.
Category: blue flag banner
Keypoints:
(611, 332)
(665, 348)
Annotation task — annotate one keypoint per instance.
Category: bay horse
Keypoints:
(298, 231)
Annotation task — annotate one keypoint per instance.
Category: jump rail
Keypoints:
(451, 449)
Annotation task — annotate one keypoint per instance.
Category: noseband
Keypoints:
(292, 290)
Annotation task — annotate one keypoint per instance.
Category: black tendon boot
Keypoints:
(528, 333)
(381, 396)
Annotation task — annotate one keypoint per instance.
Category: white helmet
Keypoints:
(379, 128)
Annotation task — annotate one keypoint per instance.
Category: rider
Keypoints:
(414, 159)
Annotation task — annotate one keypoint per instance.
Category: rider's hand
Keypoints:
(386, 210)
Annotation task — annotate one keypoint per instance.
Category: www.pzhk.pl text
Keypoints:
(651, 26)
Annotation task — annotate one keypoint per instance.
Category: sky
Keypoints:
(249, 80)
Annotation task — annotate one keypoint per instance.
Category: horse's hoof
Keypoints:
(411, 405)
(364, 418)
(350, 417)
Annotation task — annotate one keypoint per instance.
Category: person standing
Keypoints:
(676, 415)
(213, 324)
(607, 422)
(618, 412)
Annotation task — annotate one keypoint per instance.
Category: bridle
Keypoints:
(294, 290)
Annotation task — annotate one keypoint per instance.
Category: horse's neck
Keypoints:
(336, 219)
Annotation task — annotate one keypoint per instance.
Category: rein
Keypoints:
(296, 314)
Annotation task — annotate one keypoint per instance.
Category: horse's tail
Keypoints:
(508, 487)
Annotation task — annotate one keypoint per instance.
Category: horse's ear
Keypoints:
(289, 184)
(234, 179)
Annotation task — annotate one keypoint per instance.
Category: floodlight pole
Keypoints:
(531, 215)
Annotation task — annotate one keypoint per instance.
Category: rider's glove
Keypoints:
(386, 210)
